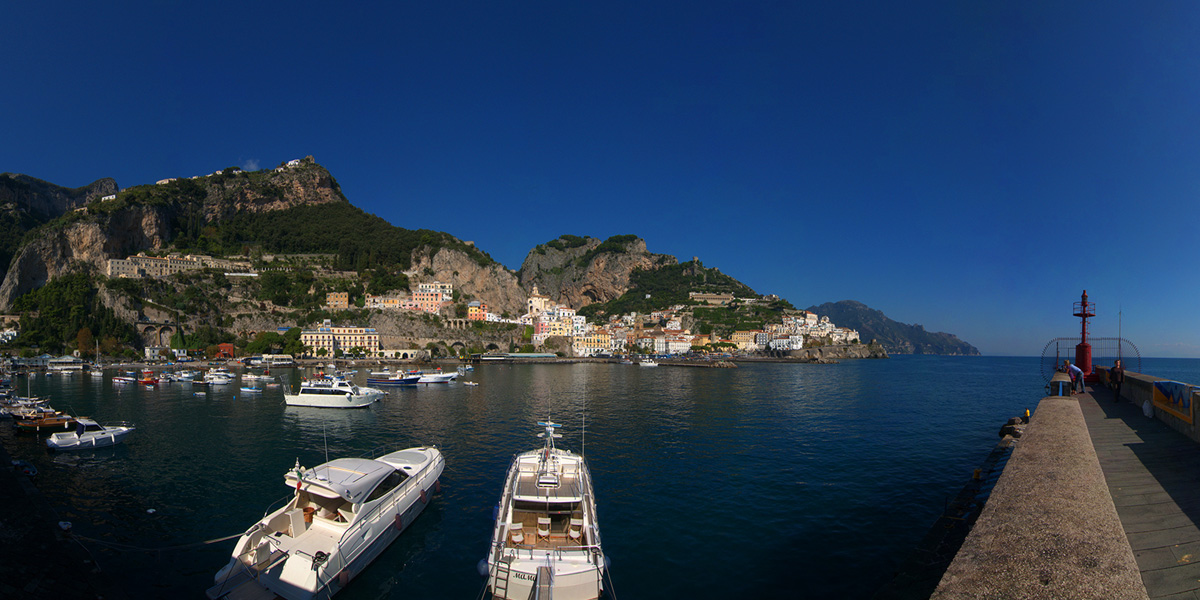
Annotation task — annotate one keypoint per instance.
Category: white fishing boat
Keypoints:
(332, 393)
(218, 377)
(89, 434)
(438, 377)
(546, 538)
(340, 516)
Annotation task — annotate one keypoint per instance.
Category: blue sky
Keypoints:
(968, 166)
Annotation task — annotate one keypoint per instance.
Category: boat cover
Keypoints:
(350, 478)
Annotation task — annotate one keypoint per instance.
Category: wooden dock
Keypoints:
(1153, 475)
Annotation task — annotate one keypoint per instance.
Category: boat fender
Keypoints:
(481, 567)
(344, 577)
(424, 497)
(398, 522)
(437, 486)
(495, 512)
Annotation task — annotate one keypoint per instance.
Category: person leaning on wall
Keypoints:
(1116, 375)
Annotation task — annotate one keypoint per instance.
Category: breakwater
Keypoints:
(1097, 501)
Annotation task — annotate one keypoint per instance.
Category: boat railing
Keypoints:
(558, 552)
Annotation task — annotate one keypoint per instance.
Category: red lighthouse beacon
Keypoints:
(1083, 351)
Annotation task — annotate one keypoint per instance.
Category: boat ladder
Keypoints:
(503, 572)
(543, 586)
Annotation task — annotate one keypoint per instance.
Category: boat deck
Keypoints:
(558, 537)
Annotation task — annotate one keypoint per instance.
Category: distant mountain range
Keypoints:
(896, 337)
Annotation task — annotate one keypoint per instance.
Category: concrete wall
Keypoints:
(1139, 389)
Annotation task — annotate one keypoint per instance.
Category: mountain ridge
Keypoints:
(896, 337)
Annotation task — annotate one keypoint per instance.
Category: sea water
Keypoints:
(769, 480)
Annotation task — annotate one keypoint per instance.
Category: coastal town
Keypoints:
(659, 332)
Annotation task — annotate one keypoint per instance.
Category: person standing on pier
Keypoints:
(1117, 376)
(1076, 376)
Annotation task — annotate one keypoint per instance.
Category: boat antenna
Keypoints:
(583, 441)
(326, 436)
(1118, 332)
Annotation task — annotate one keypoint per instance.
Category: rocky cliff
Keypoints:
(146, 217)
(578, 271)
(493, 284)
(27, 202)
(45, 199)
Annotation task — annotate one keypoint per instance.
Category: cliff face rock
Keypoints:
(82, 244)
(493, 284)
(140, 218)
(581, 271)
(46, 200)
(835, 353)
(234, 192)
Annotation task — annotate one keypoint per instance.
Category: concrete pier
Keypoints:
(1050, 528)
(1097, 501)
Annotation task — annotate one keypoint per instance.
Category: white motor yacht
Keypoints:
(340, 516)
(89, 434)
(332, 393)
(438, 377)
(546, 541)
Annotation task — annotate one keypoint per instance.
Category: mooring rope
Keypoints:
(129, 548)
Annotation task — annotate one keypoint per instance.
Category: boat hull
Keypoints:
(330, 401)
(72, 441)
(393, 381)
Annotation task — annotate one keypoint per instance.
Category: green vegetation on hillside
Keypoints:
(360, 240)
(64, 307)
(567, 241)
(727, 319)
(656, 289)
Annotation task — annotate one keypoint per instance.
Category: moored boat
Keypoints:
(340, 516)
(332, 393)
(546, 537)
(395, 379)
(89, 434)
(46, 421)
(438, 377)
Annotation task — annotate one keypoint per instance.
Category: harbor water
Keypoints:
(769, 480)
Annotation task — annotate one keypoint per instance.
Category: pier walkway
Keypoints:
(1153, 475)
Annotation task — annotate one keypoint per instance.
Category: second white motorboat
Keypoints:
(332, 393)
(340, 517)
(546, 538)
